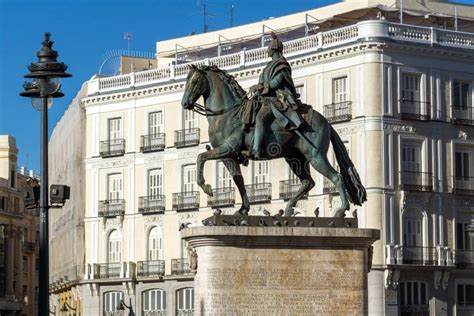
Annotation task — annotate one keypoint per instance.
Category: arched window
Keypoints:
(155, 244)
(154, 301)
(185, 301)
(414, 298)
(111, 302)
(114, 245)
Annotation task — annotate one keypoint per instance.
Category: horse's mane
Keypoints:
(234, 86)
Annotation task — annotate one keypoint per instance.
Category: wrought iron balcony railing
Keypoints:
(415, 309)
(418, 256)
(338, 112)
(185, 200)
(180, 266)
(28, 246)
(186, 137)
(185, 312)
(288, 188)
(328, 186)
(415, 110)
(221, 197)
(110, 270)
(151, 204)
(464, 258)
(112, 147)
(259, 192)
(462, 115)
(463, 185)
(153, 142)
(151, 268)
(416, 181)
(111, 208)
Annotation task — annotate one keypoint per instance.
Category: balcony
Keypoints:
(112, 148)
(416, 181)
(154, 142)
(259, 192)
(412, 309)
(426, 256)
(414, 110)
(107, 270)
(151, 268)
(111, 208)
(28, 246)
(462, 115)
(338, 112)
(151, 204)
(463, 185)
(328, 186)
(464, 259)
(288, 188)
(221, 197)
(186, 137)
(185, 201)
(180, 266)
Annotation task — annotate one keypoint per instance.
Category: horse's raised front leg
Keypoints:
(234, 168)
(220, 152)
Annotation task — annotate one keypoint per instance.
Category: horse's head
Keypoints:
(196, 86)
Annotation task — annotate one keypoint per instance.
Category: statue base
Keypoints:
(246, 270)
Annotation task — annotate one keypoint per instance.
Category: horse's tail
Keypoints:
(354, 187)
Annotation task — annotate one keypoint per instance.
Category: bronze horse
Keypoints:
(231, 138)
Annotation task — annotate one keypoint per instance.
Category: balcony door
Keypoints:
(461, 95)
(155, 244)
(411, 88)
(261, 172)
(411, 158)
(463, 161)
(189, 178)
(190, 119)
(340, 91)
(155, 123)
(115, 128)
(114, 246)
(115, 187)
(412, 236)
(224, 178)
(155, 184)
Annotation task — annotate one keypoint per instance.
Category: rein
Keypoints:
(201, 110)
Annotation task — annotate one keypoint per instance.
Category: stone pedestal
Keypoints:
(281, 270)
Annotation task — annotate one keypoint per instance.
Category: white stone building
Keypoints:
(400, 96)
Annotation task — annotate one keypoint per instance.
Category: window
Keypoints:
(190, 119)
(411, 87)
(465, 295)
(3, 203)
(155, 244)
(115, 128)
(413, 298)
(25, 264)
(412, 228)
(461, 95)
(411, 158)
(155, 184)
(154, 301)
(111, 302)
(224, 178)
(301, 91)
(114, 246)
(115, 187)
(13, 177)
(462, 165)
(189, 178)
(339, 88)
(463, 240)
(261, 172)
(185, 300)
(155, 123)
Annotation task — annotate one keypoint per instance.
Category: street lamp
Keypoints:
(66, 307)
(122, 306)
(45, 85)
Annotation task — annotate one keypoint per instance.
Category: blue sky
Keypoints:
(84, 30)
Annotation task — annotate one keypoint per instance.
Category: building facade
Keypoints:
(399, 95)
(19, 232)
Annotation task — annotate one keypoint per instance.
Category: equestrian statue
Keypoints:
(269, 122)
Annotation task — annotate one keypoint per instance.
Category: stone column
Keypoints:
(245, 270)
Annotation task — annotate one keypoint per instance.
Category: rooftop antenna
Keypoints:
(128, 36)
(456, 19)
(205, 14)
(231, 17)
(401, 11)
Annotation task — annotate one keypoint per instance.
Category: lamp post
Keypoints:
(45, 86)
(122, 306)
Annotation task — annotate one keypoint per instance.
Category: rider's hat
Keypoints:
(276, 44)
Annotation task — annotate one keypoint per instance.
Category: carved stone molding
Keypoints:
(113, 222)
(392, 277)
(399, 128)
(108, 163)
(349, 130)
(441, 278)
(463, 135)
